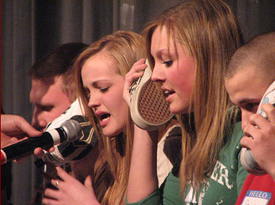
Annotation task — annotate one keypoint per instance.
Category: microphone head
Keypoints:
(72, 129)
(74, 150)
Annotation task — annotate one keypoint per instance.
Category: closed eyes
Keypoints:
(167, 63)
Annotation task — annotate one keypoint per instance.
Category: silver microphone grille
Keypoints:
(72, 129)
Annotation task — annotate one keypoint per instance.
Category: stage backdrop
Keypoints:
(31, 28)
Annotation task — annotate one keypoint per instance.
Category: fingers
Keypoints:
(246, 142)
(269, 109)
(89, 185)
(52, 194)
(259, 128)
(57, 183)
(250, 131)
(259, 121)
(38, 152)
(63, 174)
(137, 69)
(17, 126)
(139, 65)
(29, 130)
(59, 177)
(26, 127)
(7, 140)
(131, 76)
(135, 72)
(88, 182)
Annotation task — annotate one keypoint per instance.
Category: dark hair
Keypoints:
(59, 62)
(257, 53)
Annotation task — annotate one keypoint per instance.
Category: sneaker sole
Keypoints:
(149, 109)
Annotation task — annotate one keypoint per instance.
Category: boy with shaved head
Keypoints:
(250, 72)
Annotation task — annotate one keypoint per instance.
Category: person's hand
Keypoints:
(260, 139)
(39, 152)
(134, 73)
(15, 128)
(70, 191)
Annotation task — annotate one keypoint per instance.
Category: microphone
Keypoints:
(70, 130)
(69, 152)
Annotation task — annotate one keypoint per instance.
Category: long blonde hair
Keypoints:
(124, 48)
(211, 34)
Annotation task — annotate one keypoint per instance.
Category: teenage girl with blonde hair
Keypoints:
(188, 47)
(100, 71)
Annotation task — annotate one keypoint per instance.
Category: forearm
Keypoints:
(143, 175)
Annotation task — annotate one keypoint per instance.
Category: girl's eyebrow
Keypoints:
(163, 51)
(95, 83)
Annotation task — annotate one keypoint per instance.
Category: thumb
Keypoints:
(88, 182)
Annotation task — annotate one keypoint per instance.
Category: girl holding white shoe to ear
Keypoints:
(188, 47)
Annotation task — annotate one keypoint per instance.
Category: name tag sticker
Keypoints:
(254, 197)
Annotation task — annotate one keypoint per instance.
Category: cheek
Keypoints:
(57, 110)
(182, 83)
(50, 116)
(120, 110)
(115, 101)
(121, 107)
(119, 116)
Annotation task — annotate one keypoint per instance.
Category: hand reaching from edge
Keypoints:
(15, 128)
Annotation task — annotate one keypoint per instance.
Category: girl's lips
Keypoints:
(104, 121)
(103, 117)
(168, 93)
(169, 97)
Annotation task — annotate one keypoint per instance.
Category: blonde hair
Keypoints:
(124, 48)
(211, 34)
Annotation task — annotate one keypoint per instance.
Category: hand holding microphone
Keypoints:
(69, 131)
(71, 151)
(15, 128)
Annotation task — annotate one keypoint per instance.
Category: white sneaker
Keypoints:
(149, 109)
(249, 163)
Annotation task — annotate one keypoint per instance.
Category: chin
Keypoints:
(178, 110)
(107, 134)
(110, 133)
